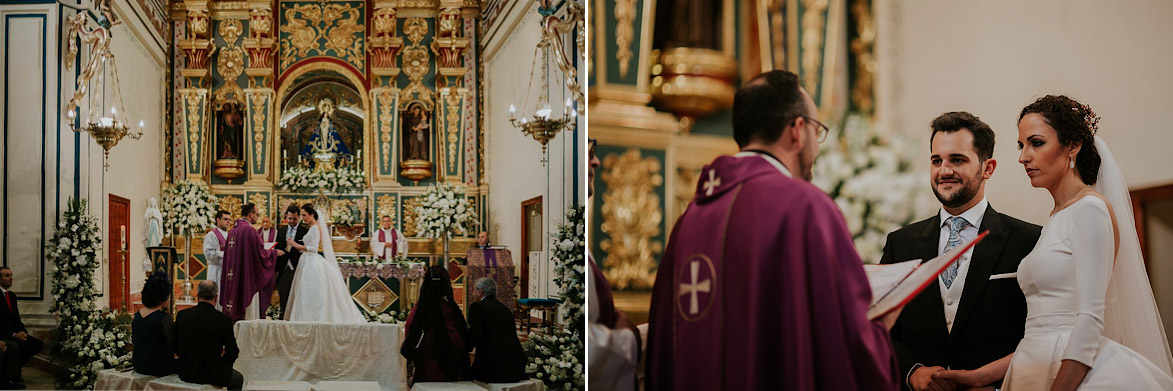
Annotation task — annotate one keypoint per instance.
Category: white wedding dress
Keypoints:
(319, 293)
(1065, 279)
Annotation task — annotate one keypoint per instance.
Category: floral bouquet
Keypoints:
(306, 180)
(567, 251)
(866, 172)
(343, 216)
(443, 212)
(392, 317)
(556, 360)
(189, 208)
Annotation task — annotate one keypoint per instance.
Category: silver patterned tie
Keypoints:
(956, 224)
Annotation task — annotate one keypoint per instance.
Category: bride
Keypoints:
(319, 292)
(1092, 323)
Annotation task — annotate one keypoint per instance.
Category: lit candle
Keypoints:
(141, 124)
(569, 106)
(512, 110)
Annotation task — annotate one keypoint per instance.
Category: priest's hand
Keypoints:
(21, 336)
(962, 378)
(922, 379)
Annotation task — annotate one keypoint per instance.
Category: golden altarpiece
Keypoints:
(263, 92)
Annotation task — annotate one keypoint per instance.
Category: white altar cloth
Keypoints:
(315, 351)
(115, 380)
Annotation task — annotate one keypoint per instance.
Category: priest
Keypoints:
(759, 287)
(268, 232)
(248, 270)
(388, 242)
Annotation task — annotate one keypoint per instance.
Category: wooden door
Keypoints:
(118, 244)
(531, 239)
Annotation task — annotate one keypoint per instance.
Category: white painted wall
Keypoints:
(992, 58)
(34, 160)
(514, 171)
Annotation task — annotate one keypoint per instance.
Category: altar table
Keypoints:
(315, 351)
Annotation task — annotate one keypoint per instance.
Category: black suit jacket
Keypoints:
(291, 254)
(491, 330)
(201, 333)
(10, 319)
(991, 315)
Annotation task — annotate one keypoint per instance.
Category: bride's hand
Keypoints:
(961, 377)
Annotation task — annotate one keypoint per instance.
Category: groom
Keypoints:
(248, 270)
(974, 312)
(287, 264)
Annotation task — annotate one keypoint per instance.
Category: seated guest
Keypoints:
(152, 331)
(492, 332)
(435, 332)
(19, 347)
(205, 343)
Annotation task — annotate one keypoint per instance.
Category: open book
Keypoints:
(896, 284)
(270, 245)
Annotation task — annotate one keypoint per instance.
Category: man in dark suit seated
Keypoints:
(19, 347)
(491, 331)
(974, 312)
(205, 343)
(287, 264)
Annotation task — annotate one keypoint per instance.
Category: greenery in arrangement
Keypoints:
(558, 358)
(867, 172)
(307, 180)
(91, 340)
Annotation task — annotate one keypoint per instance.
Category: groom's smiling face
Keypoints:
(957, 174)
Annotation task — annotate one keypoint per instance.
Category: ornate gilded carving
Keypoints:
(452, 127)
(384, 22)
(197, 24)
(230, 64)
(260, 23)
(553, 30)
(685, 187)
(409, 215)
(193, 108)
(631, 218)
(283, 201)
(692, 82)
(316, 29)
(385, 206)
(449, 22)
(416, 64)
(231, 204)
(777, 20)
(262, 203)
(624, 33)
(812, 42)
(386, 112)
(384, 45)
(865, 62)
(258, 126)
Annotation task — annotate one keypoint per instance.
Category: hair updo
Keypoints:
(309, 209)
(156, 290)
(1076, 125)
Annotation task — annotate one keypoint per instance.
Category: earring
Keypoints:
(1072, 164)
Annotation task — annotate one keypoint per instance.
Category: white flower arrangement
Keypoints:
(306, 180)
(557, 359)
(366, 259)
(343, 217)
(390, 317)
(443, 212)
(867, 172)
(567, 255)
(189, 208)
(96, 341)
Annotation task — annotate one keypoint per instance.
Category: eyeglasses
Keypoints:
(591, 147)
(820, 129)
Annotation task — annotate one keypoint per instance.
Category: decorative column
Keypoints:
(450, 45)
(192, 97)
(385, 47)
(259, 95)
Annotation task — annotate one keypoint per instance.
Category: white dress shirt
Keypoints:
(951, 296)
(612, 357)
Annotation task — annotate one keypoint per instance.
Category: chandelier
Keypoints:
(106, 131)
(540, 125)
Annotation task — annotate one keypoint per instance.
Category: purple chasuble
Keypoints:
(248, 269)
(760, 288)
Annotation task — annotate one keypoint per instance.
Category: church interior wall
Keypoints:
(513, 160)
(1099, 53)
(47, 163)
